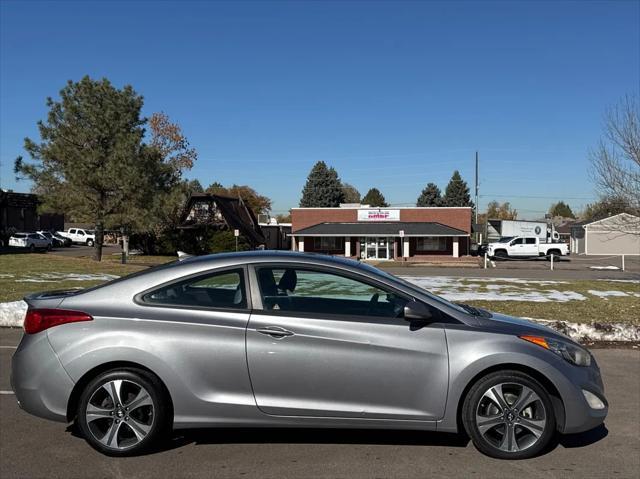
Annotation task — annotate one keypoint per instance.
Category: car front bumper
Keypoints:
(41, 385)
(571, 381)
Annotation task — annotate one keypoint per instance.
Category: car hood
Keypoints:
(515, 325)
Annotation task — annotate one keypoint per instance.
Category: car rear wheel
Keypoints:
(501, 254)
(509, 415)
(555, 253)
(89, 242)
(123, 412)
(32, 248)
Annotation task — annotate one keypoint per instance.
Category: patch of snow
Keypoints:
(604, 267)
(511, 280)
(593, 332)
(6, 275)
(633, 281)
(12, 313)
(53, 277)
(604, 294)
(463, 289)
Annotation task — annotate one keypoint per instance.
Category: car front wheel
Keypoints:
(123, 412)
(509, 415)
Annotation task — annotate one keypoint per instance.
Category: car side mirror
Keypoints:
(417, 311)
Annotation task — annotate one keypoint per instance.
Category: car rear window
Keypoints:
(223, 289)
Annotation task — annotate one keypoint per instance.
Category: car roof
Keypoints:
(267, 255)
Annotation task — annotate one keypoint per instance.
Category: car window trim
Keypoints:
(258, 307)
(138, 298)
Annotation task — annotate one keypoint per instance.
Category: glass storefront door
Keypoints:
(376, 248)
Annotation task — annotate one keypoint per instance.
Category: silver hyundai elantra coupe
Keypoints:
(280, 339)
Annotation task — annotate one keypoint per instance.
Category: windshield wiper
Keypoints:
(475, 311)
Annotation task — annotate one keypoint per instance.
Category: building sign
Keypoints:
(378, 215)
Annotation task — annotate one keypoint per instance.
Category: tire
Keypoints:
(49, 247)
(89, 242)
(501, 254)
(553, 252)
(499, 426)
(32, 248)
(114, 429)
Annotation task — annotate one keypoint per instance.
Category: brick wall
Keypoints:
(459, 218)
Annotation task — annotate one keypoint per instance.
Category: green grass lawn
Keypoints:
(21, 274)
(593, 309)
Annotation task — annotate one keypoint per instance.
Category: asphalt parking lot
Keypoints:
(33, 448)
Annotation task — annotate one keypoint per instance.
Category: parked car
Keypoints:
(31, 241)
(66, 242)
(80, 236)
(284, 339)
(56, 241)
(525, 247)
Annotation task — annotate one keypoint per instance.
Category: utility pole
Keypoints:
(476, 216)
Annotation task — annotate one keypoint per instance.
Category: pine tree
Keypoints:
(561, 209)
(323, 188)
(92, 163)
(374, 198)
(430, 196)
(457, 192)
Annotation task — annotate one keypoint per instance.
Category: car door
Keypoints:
(35, 240)
(530, 247)
(516, 247)
(325, 343)
(43, 241)
(201, 327)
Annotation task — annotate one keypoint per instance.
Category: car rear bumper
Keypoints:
(41, 385)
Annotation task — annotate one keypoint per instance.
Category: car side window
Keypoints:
(516, 241)
(302, 290)
(72, 232)
(223, 289)
(530, 241)
(80, 232)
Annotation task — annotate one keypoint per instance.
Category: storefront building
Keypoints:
(358, 231)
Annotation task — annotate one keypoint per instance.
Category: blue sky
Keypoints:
(392, 94)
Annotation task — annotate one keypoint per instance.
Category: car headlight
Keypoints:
(569, 351)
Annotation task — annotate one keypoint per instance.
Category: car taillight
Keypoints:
(40, 319)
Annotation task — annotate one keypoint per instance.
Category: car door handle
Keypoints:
(274, 331)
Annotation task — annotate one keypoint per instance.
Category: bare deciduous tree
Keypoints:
(615, 162)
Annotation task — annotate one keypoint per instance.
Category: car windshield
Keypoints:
(505, 239)
(413, 287)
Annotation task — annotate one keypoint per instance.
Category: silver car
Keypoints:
(281, 339)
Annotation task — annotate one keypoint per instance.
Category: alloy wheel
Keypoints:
(511, 417)
(120, 414)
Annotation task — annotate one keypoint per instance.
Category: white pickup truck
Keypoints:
(525, 247)
(79, 235)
